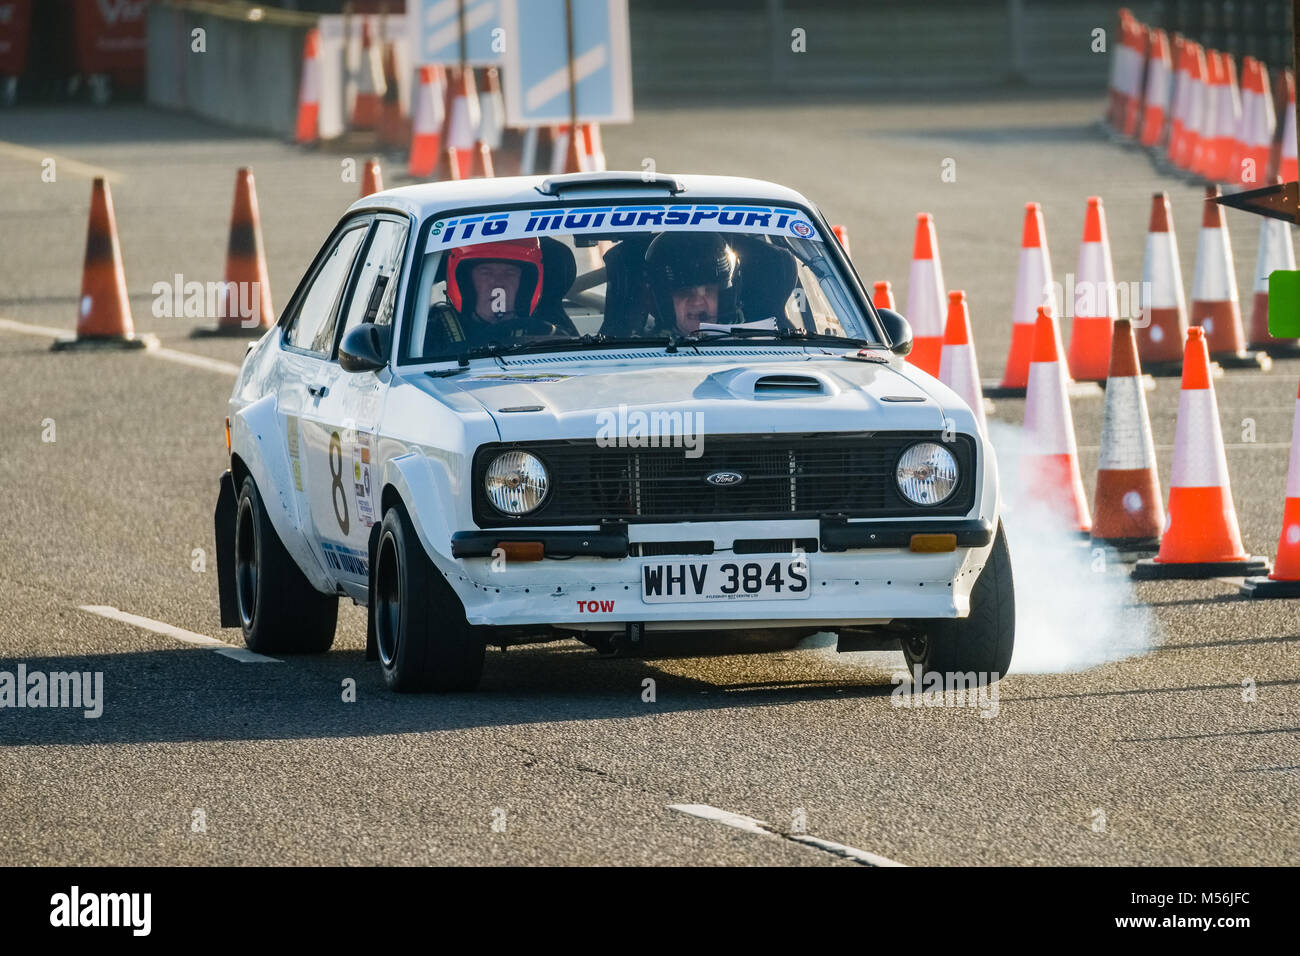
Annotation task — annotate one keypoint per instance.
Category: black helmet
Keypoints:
(678, 260)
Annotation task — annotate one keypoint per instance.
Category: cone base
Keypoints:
(1252, 360)
(994, 389)
(1268, 588)
(1084, 389)
(1127, 546)
(104, 343)
(228, 332)
(1148, 569)
(1277, 349)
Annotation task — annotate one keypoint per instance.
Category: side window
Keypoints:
(313, 327)
(808, 308)
(375, 296)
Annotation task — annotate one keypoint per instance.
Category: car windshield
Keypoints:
(592, 276)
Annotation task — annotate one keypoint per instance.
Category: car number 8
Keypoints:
(338, 494)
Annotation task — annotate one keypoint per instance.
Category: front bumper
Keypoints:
(833, 534)
(862, 574)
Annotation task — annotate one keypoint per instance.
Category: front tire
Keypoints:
(424, 641)
(981, 642)
(279, 610)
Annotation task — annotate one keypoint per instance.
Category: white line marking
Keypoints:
(758, 827)
(167, 355)
(241, 654)
(195, 361)
(61, 163)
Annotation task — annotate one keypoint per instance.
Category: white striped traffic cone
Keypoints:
(1179, 99)
(463, 120)
(427, 115)
(1201, 538)
(1284, 581)
(957, 366)
(1033, 288)
(1227, 122)
(492, 110)
(1163, 328)
(1127, 510)
(1287, 169)
(1095, 304)
(1215, 305)
(370, 83)
(1258, 125)
(1160, 82)
(925, 297)
(1276, 251)
(306, 128)
(1049, 467)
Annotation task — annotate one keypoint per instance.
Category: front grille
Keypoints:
(786, 476)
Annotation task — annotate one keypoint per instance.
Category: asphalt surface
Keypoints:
(1151, 755)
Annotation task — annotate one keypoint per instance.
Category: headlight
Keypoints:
(927, 474)
(516, 483)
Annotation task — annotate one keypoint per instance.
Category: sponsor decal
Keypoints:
(606, 220)
(361, 482)
(346, 559)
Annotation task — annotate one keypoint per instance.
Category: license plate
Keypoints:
(728, 579)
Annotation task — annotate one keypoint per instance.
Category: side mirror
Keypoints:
(898, 330)
(366, 348)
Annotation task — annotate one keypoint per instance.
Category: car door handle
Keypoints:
(320, 391)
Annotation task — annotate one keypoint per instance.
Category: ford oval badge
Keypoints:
(724, 479)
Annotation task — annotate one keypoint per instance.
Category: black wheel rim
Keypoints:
(388, 600)
(246, 553)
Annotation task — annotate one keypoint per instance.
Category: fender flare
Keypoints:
(417, 478)
(255, 432)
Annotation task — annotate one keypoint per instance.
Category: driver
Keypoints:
(693, 278)
(493, 289)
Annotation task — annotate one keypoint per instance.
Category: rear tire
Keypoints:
(424, 640)
(981, 642)
(279, 610)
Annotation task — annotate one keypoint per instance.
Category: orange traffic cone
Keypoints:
(463, 120)
(925, 297)
(1227, 119)
(1215, 306)
(1136, 40)
(1050, 465)
(1160, 77)
(1095, 306)
(481, 156)
(1275, 252)
(594, 148)
(306, 128)
(370, 84)
(245, 303)
(1203, 160)
(427, 114)
(1163, 328)
(1033, 289)
(104, 316)
(1201, 538)
(957, 366)
(882, 296)
(1179, 99)
(1284, 582)
(1258, 125)
(1128, 514)
(842, 234)
(574, 156)
(492, 109)
(372, 178)
(1184, 149)
(1287, 168)
(394, 130)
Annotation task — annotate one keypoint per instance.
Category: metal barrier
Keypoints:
(242, 70)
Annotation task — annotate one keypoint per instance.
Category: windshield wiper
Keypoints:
(560, 345)
(784, 335)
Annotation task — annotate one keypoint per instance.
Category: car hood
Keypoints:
(796, 392)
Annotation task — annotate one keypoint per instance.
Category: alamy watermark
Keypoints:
(77, 689)
(208, 300)
(634, 428)
(977, 690)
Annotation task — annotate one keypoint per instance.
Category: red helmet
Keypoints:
(525, 253)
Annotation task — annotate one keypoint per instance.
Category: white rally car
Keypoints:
(601, 406)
